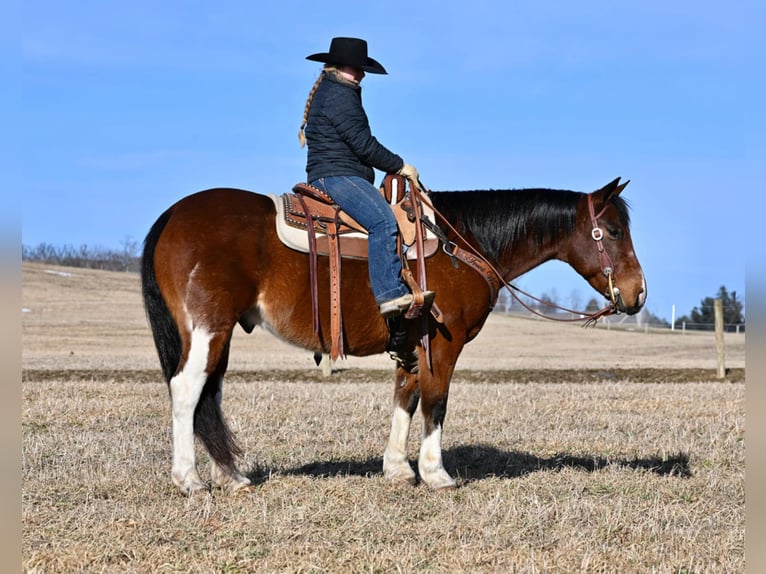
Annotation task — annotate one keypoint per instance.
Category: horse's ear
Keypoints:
(611, 189)
(619, 188)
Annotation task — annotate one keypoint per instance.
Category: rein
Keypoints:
(421, 193)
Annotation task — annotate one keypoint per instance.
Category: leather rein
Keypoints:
(495, 279)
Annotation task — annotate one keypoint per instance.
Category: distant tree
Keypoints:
(703, 317)
(575, 301)
(652, 319)
(124, 259)
(548, 301)
(129, 253)
(592, 306)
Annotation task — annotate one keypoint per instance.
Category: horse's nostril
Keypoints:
(641, 299)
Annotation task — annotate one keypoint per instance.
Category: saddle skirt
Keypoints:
(293, 221)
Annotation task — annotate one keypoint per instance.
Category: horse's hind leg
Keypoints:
(195, 398)
(185, 390)
(223, 471)
(396, 467)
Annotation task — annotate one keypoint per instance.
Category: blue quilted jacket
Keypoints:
(339, 138)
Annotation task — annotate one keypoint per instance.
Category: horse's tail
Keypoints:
(209, 424)
(164, 329)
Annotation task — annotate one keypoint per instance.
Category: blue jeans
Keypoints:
(364, 202)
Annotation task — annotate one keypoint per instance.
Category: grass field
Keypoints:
(575, 451)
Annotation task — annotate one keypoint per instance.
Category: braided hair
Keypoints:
(301, 135)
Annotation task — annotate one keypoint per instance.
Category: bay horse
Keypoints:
(213, 260)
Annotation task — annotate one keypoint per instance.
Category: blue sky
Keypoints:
(127, 107)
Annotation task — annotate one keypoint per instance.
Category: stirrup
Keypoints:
(416, 309)
(407, 360)
(406, 303)
(398, 347)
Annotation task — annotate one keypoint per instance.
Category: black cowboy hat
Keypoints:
(349, 52)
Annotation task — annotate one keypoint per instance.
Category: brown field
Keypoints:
(575, 450)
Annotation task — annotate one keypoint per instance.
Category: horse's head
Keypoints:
(603, 249)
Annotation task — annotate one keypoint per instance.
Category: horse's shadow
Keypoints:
(470, 463)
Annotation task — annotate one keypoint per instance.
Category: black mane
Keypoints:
(500, 219)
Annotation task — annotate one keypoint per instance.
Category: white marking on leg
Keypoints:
(395, 464)
(430, 461)
(185, 390)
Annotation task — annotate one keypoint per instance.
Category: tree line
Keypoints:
(124, 259)
(703, 316)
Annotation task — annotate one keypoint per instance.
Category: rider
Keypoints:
(342, 153)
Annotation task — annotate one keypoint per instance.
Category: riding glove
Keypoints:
(409, 172)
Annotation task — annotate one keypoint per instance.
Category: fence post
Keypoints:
(719, 345)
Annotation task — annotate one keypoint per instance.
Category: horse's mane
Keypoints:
(500, 219)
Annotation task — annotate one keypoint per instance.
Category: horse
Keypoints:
(213, 261)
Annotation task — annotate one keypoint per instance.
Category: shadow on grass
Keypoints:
(476, 462)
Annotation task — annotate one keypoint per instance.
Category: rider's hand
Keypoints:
(409, 172)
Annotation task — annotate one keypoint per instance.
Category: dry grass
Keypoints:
(611, 475)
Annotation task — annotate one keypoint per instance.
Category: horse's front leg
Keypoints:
(430, 465)
(434, 390)
(396, 467)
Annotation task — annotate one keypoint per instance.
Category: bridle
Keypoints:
(607, 267)
(420, 192)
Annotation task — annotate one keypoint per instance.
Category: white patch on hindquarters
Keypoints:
(185, 390)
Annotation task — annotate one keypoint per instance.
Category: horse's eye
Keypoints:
(614, 232)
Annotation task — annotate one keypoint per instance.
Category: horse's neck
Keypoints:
(518, 262)
(529, 253)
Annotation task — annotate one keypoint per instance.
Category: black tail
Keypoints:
(209, 424)
(164, 329)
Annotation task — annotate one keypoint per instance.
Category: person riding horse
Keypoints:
(342, 155)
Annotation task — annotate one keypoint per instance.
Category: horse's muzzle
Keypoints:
(634, 306)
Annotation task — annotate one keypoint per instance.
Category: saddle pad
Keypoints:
(353, 244)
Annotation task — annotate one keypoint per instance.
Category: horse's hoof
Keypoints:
(228, 479)
(190, 483)
(408, 480)
(241, 489)
(439, 480)
(401, 474)
(240, 484)
(193, 487)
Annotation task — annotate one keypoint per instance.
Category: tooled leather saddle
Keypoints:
(309, 204)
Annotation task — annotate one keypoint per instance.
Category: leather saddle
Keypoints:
(308, 209)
